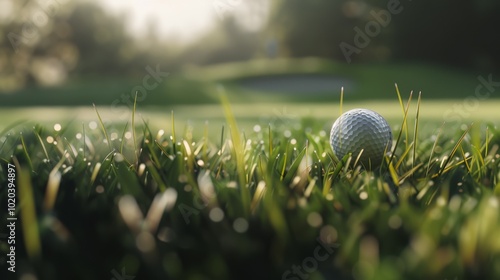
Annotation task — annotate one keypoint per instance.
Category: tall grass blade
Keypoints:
(433, 149)
(405, 123)
(28, 216)
(415, 132)
(454, 150)
(103, 128)
(405, 116)
(238, 153)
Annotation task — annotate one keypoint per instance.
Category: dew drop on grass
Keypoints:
(160, 133)
(118, 157)
(141, 169)
(50, 139)
(293, 141)
(99, 189)
(128, 135)
(78, 136)
(240, 225)
(92, 125)
(363, 195)
(216, 215)
(394, 222)
(257, 128)
(57, 127)
(314, 219)
(287, 133)
(328, 234)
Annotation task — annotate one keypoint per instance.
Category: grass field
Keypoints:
(180, 186)
(200, 86)
(170, 200)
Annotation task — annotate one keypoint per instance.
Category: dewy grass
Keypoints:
(253, 205)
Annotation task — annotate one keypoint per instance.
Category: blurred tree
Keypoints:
(44, 43)
(102, 41)
(437, 31)
(459, 33)
(228, 42)
(319, 27)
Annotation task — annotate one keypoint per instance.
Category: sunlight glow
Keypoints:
(186, 20)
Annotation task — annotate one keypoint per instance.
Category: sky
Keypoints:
(185, 20)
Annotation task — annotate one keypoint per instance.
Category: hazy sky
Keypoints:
(186, 19)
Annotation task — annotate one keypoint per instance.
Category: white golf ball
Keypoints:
(361, 129)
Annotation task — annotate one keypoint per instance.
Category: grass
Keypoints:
(199, 85)
(256, 204)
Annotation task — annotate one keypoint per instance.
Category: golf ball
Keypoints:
(361, 129)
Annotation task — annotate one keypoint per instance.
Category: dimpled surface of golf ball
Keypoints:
(361, 129)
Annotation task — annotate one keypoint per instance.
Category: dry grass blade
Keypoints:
(405, 123)
(403, 156)
(402, 127)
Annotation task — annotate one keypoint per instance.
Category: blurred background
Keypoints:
(180, 52)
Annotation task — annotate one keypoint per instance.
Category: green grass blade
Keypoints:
(415, 132)
(28, 216)
(454, 150)
(238, 153)
(103, 128)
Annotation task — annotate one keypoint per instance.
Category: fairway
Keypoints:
(432, 114)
